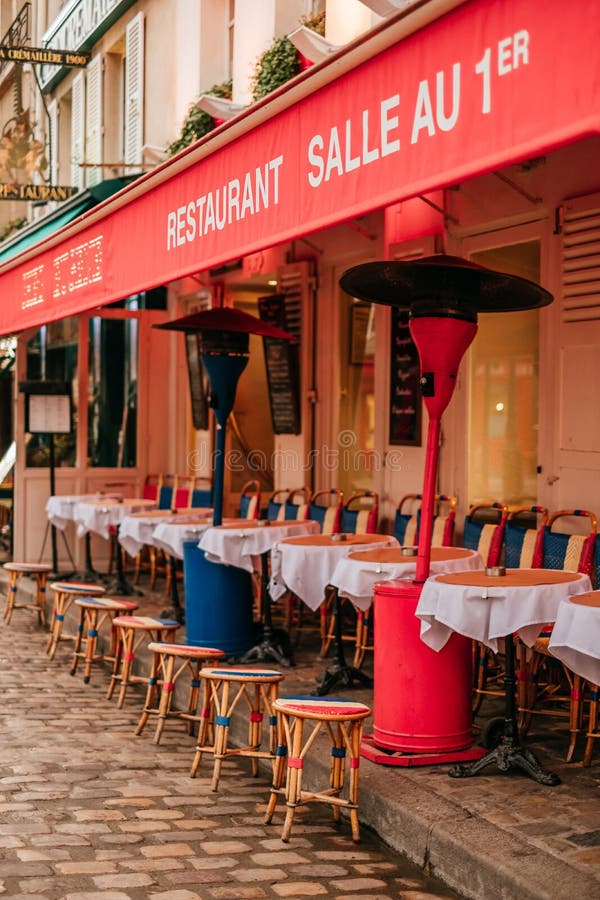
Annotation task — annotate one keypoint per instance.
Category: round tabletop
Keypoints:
(575, 638)
(237, 545)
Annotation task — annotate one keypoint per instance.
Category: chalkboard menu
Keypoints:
(405, 393)
(282, 365)
(197, 379)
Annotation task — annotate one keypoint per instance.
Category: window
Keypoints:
(112, 392)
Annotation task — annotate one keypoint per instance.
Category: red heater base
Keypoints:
(422, 699)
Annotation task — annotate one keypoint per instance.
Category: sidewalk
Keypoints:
(80, 818)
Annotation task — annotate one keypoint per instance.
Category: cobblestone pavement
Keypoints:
(87, 809)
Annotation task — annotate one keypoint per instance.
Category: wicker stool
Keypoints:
(344, 723)
(64, 595)
(259, 689)
(16, 571)
(94, 612)
(132, 632)
(169, 662)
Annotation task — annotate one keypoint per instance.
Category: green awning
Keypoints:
(68, 211)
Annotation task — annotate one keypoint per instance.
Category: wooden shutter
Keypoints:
(53, 140)
(77, 130)
(134, 90)
(580, 261)
(93, 121)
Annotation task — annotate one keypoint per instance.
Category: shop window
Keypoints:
(112, 392)
(52, 356)
(356, 439)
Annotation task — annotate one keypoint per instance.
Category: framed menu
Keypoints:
(283, 369)
(48, 408)
(405, 393)
(198, 382)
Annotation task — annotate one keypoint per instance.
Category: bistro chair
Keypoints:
(40, 573)
(152, 486)
(170, 661)
(546, 686)
(523, 549)
(297, 504)
(408, 516)
(325, 507)
(224, 689)
(183, 488)
(483, 531)
(276, 505)
(166, 492)
(342, 721)
(250, 500)
(202, 493)
(360, 513)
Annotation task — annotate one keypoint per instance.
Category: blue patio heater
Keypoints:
(218, 599)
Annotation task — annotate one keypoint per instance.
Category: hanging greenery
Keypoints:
(281, 60)
(197, 122)
(12, 226)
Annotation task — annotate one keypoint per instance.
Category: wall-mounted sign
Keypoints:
(47, 407)
(36, 192)
(405, 393)
(44, 55)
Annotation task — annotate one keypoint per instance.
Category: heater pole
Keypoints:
(428, 499)
(219, 475)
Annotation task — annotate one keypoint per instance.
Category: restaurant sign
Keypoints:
(482, 87)
(43, 55)
(40, 193)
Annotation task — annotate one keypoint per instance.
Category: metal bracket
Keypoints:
(517, 187)
(448, 217)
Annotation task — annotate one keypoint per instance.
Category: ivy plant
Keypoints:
(197, 122)
(281, 60)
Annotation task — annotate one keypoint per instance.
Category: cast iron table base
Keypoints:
(510, 752)
(340, 672)
(270, 647)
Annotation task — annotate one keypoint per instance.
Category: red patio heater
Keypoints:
(422, 699)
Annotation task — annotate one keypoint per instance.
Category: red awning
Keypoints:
(488, 84)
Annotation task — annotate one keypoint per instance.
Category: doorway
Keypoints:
(503, 395)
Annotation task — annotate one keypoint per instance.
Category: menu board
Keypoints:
(48, 414)
(282, 365)
(405, 393)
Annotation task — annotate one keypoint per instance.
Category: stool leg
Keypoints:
(150, 691)
(127, 658)
(114, 677)
(255, 725)
(575, 710)
(166, 696)
(78, 641)
(336, 778)
(194, 692)
(11, 596)
(58, 617)
(207, 707)
(221, 732)
(592, 733)
(40, 597)
(293, 785)
(356, 731)
(279, 767)
(91, 643)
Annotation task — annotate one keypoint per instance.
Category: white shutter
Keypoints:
(93, 121)
(53, 140)
(580, 258)
(77, 132)
(134, 90)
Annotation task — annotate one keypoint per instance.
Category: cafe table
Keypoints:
(240, 546)
(61, 509)
(137, 529)
(488, 606)
(305, 566)
(575, 638)
(104, 517)
(169, 535)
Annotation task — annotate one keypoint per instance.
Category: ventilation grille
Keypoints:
(581, 266)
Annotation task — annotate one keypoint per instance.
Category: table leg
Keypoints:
(340, 672)
(274, 645)
(120, 586)
(510, 752)
(177, 611)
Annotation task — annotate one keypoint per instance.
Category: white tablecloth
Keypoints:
(355, 575)
(137, 529)
(489, 614)
(100, 515)
(307, 568)
(170, 536)
(60, 509)
(575, 639)
(237, 545)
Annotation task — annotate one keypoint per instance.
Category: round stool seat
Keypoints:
(243, 674)
(78, 587)
(170, 661)
(328, 709)
(106, 603)
(33, 568)
(16, 570)
(186, 650)
(147, 623)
